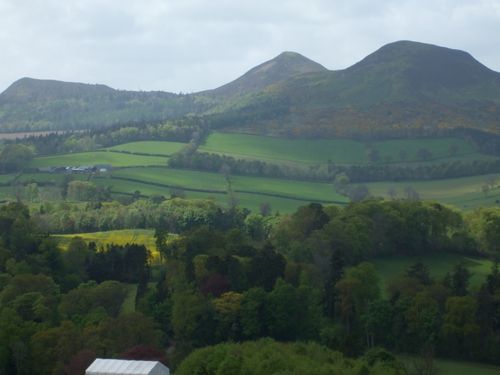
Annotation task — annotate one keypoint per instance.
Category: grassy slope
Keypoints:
(97, 157)
(463, 192)
(216, 182)
(150, 147)
(438, 265)
(340, 151)
(128, 305)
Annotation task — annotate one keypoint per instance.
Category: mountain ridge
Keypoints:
(402, 84)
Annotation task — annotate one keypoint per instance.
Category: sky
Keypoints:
(193, 45)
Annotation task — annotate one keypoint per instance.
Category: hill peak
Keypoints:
(26, 88)
(286, 65)
(426, 65)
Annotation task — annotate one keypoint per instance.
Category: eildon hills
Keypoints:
(403, 89)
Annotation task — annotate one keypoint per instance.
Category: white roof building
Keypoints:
(123, 367)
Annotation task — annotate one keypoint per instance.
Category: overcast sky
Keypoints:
(192, 45)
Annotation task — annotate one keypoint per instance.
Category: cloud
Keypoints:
(192, 45)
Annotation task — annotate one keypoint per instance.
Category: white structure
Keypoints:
(122, 367)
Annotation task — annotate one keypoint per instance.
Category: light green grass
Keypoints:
(150, 147)
(240, 184)
(438, 264)
(464, 193)
(97, 157)
(128, 305)
(340, 151)
(252, 201)
(120, 237)
(175, 177)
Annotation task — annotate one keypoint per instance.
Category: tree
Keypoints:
(81, 190)
(460, 280)
(392, 193)
(411, 194)
(254, 313)
(358, 192)
(424, 154)
(459, 327)
(420, 272)
(265, 209)
(358, 287)
(13, 157)
(373, 155)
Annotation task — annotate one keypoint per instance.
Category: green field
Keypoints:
(464, 193)
(150, 147)
(240, 184)
(450, 367)
(216, 184)
(97, 157)
(340, 151)
(7, 178)
(446, 367)
(438, 264)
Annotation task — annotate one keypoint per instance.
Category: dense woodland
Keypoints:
(231, 276)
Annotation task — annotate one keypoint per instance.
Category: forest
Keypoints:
(230, 281)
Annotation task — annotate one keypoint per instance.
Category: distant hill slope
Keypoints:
(279, 69)
(404, 88)
(32, 104)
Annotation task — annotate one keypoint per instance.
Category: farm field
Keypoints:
(149, 147)
(97, 157)
(340, 151)
(465, 192)
(438, 265)
(240, 184)
(252, 201)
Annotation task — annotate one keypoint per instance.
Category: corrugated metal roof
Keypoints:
(122, 367)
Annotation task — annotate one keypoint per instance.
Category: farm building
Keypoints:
(123, 367)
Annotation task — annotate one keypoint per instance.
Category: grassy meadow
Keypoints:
(464, 193)
(149, 147)
(339, 151)
(97, 157)
(438, 265)
(120, 237)
(447, 367)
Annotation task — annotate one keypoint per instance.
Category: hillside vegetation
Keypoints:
(403, 89)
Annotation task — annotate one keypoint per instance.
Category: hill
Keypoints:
(33, 104)
(403, 89)
(279, 69)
